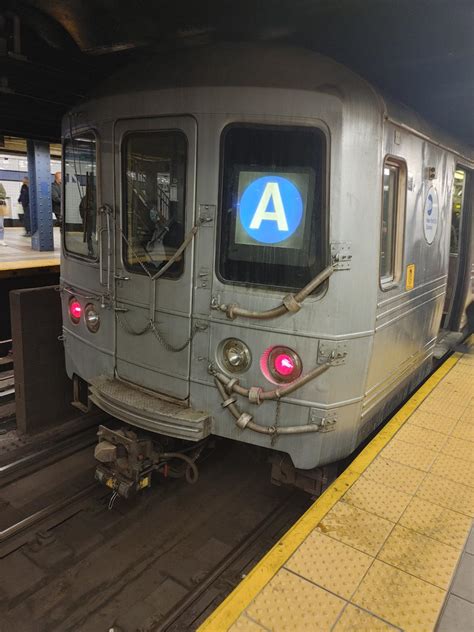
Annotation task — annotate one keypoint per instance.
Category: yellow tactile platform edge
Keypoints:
(368, 560)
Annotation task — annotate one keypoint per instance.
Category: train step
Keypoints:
(147, 411)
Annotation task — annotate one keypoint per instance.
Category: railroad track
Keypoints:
(48, 496)
(24, 466)
(27, 462)
(84, 567)
(38, 516)
(7, 377)
(214, 588)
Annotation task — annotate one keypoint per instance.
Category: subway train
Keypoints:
(257, 245)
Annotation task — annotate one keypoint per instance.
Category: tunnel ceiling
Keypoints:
(53, 52)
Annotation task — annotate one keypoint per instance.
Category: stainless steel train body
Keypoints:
(365, 167)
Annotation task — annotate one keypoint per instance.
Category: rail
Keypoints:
(46, 455)
(17, 527)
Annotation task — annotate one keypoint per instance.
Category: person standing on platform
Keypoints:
(3, 213)
(24, 200)
(56, 196)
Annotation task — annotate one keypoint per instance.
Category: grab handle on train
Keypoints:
(291, 302)
(105, 210)
(256, 395)
(244, 420)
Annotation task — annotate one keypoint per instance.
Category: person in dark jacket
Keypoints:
(56, 195)
(24, 200)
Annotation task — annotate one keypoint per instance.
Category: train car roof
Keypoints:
(267, 66)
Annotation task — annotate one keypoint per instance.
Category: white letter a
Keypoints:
(272, 190)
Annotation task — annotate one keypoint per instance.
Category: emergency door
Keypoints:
(155, 166)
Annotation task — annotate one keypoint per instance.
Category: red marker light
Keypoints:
(281, 365)
(75, 310)
(284, 364)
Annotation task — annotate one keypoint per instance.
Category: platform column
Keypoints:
(39, 173)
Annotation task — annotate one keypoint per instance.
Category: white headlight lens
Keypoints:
(236, 356)
(92, 318)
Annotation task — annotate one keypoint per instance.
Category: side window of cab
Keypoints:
(392, 222)
(80, 195)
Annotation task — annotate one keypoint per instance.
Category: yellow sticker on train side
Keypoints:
(410, 280)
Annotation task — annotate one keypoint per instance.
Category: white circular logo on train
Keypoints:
(430, 215)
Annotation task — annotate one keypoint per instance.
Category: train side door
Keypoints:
(155, 162)
(459, 290)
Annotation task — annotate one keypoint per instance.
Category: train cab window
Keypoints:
(154, 174)
(80, 195)
(272, 220)
(393, 217)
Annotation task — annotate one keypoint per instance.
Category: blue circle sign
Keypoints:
(271, 209)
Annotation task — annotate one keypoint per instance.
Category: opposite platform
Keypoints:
(378, 550)
(18, 254)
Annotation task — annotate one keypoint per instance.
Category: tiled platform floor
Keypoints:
(378, 550)
(18, 253)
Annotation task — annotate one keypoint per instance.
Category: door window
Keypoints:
(154, 175)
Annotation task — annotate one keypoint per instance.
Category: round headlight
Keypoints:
(75, 310)
(235, 354)
(92, 318)
(284, 364)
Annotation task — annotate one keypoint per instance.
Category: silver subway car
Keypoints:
(256, 245)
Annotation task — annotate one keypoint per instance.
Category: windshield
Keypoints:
(80, 195)
(272, 227)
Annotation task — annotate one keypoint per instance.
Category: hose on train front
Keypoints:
(291, 302)
(245, 420)
(192, 473)
(256, 394)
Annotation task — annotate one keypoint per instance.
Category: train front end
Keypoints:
(208, 280)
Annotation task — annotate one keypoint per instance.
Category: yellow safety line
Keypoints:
(28, 263)
(238, 600)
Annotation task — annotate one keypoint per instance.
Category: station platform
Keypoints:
(18, 255)
(378, 550)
